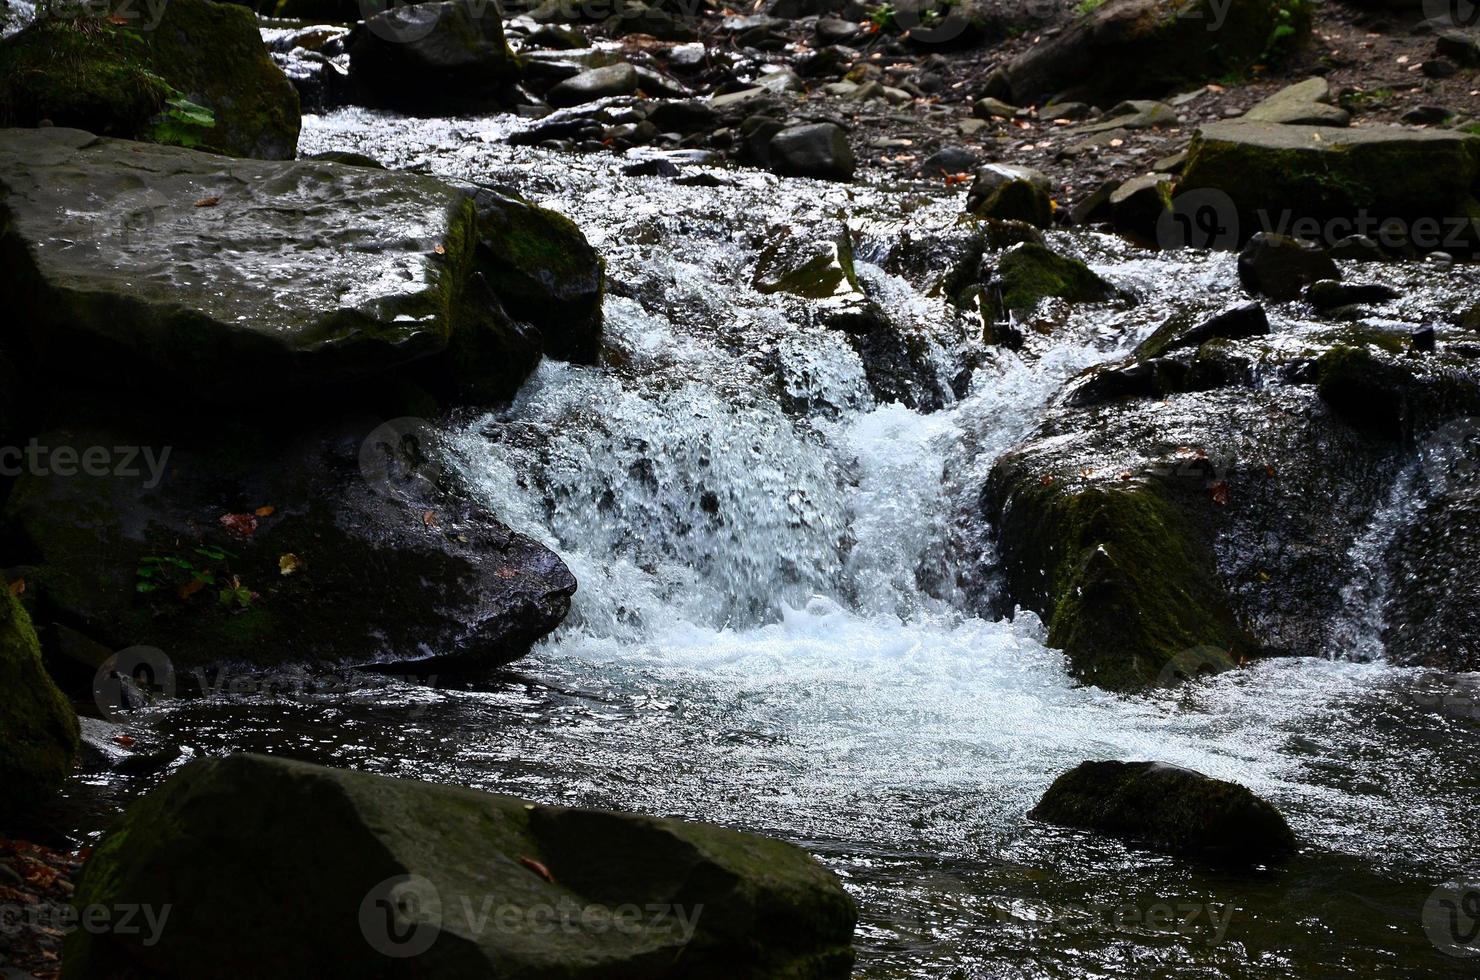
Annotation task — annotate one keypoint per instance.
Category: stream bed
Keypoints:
(784, 621)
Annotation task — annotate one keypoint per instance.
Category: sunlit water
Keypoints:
(778, 625)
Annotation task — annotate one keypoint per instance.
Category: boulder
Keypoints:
(1388, 182)
(1233, 323)
(817, 150)
(1281, 267)
(1329, 294)
(433, 58)
(1126, 49)
(1306, 103)
(1169, 808)
(225, 542)
(38, 728)
(594, 84)
(1138, 205)
(1011, 193)
(353, 874)
(201, 77)
(217, 280)
(1029, 272)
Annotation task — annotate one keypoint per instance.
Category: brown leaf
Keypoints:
(191, 587)
(1219, 492)
(1046, 479)
(208, 202)
(538, 869)
(506, 572)
(267, 511)
(289, 564)
(127, 741)
(429, 518)
(241, 524)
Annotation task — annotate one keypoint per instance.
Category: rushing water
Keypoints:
(777, 627)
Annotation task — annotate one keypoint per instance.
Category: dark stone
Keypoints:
(433, 58)
(38, 728)
(1328, 294)
(305, 854)
(817, 150)
(1438, 68)
(1138, 205)
(1357, 248)
(949, 160)
(1234, 323)
(1423, 341)
(594, 84)
(683, 117)
(1279, 267)
(1460, 47)
(1152, 378)
(1171, 809)
(655, 167)
(1427, 115)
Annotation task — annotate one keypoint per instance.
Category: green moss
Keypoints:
(38, 729)
(1018, 200)
(1030, 272)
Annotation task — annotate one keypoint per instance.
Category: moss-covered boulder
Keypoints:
(38, 729)
(433, 58)
(1406, 188)
(1171, 809)
(327, 872)
(1122, 574)
(1378, 386)
(199, 77)
(1017, 200)
(1127, 49)
(1029, 272)
(142, 268)
(223, 542)
(545, 273)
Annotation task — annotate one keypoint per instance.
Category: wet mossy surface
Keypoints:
(38, 728)
(1029, 272)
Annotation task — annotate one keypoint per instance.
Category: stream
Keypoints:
(784, 621)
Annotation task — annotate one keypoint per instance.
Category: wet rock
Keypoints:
(1094, 207)
(1235, 323)
(1171, 809)
(1280, 267)
(433, 58)
(994, 176)
(1306, 103)
(544, 272)
(1328, 294)
(817, 150)
(1374, 385)
(990, 108)
(349, 159)
(834, 30)
(1126, 49)
(1275, 176)
(1135, 114)
(1137, 205)
(1151, 378)
(556, 38)
(376, 866)
(1357, 248)
(1028, 273)
(594, 84)
(949, 160)
(685, 116)
(281, 543)
(115, 81)
(38, 728)
(317, 298)
(1014, 200)
(1459, 47)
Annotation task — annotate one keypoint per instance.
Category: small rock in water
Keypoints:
(1328, 294)
(818, 150)
(1279, 267)
(1358, 248)
(656, 167)
(1423, 340)
(1171, 809)
(597, 83)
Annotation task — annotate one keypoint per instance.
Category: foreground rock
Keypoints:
(1126, 49)
(38, 729)
(1406, 188)
(817, 150)
(1306, 103)
(123, 81)
(1171, 809)
(1281, 267)
(433, 58)
(224, 542)
(147, 268)
(354, 874)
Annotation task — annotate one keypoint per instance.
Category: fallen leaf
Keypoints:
(208, 202)
(1046, 479)
(240, 524)
(1219, 492)
(1269, 469)
(538, 869)
(440, 249)
(429, 519)
(289, 564)
(127, 741)
(18, 587)
(191, 587)
(507, 572)
(267, 511)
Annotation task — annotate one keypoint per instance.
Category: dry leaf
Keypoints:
(429, 518)
(289, 563)
(191, 587)
(1219, 492)
(267, 511)
(440, 249)
(538, 869)
(127, 741)
(18, 587)
(1046, 479)
(208, 202)
(241, 524)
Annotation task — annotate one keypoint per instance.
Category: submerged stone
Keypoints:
(333, 872)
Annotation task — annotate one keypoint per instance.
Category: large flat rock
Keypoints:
(331, 873)
(141, 265)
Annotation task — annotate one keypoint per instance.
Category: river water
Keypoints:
(780, 625)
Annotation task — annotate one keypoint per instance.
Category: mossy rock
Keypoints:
(1123, 576)
(1379, 387)
(1018, 200)
(1028, 273)
(438, 58)
(1128, 49)
(357, 875)
(1407, 188)
(545, 273)
(38, 728)
(143, 81)
(1171, 809)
